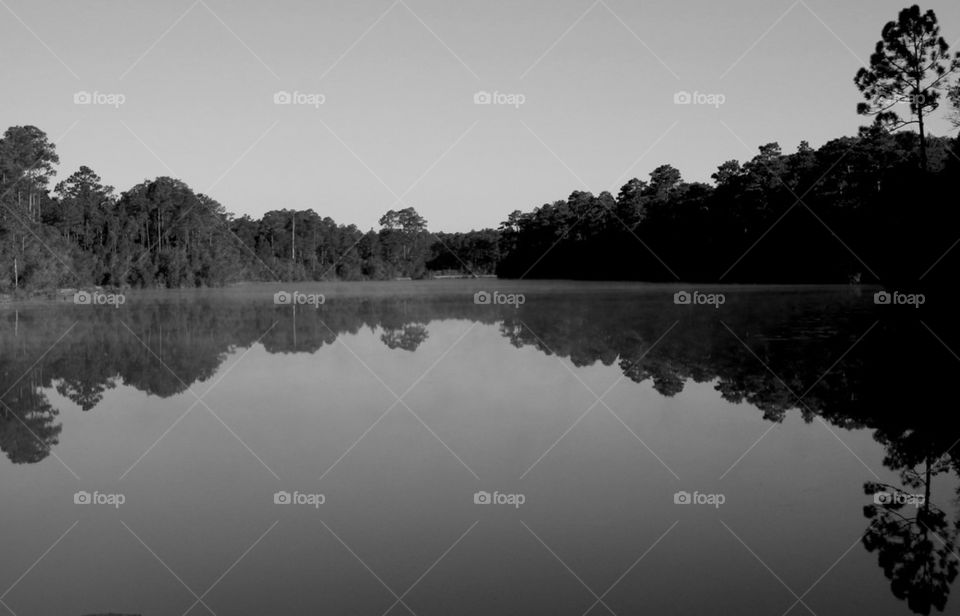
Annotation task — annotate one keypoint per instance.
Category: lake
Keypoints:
(479, 447)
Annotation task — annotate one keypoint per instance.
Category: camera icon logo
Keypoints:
(82, 98)
(882, 498)
(282, 498)
(482, 498)
(682, 98)
(481, 298)
(282, 97)
(682, 498)
(282, 298)
(81, 498)
(482, 98)
(682, 298)
(881, 298)
(82, 298)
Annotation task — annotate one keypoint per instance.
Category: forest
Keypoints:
(879, 206)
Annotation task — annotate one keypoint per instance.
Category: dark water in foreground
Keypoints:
(588, 412)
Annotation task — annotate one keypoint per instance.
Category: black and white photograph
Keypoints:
(474, 308)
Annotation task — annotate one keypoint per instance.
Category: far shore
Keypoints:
(445, 287)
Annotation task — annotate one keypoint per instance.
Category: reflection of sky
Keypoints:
(399, 499)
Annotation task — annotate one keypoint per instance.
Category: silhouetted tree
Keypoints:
(910, 66)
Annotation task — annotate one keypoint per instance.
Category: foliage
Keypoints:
(910, 67)
(856, 207)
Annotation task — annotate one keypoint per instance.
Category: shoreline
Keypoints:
(440, 287)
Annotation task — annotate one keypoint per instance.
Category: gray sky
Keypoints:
(398, 125)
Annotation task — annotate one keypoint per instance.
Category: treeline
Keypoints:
(161, 233)
(302, 245)
(856, 208)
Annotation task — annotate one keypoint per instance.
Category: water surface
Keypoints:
(596, 405)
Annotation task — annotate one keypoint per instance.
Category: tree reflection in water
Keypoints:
(852, 366)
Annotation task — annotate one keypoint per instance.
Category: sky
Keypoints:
(386, 106)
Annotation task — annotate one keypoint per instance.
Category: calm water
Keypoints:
(588, 411)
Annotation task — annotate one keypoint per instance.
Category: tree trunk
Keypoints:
(923, 141)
